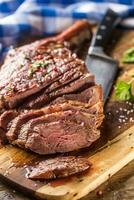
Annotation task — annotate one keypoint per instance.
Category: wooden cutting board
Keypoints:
(108, 155)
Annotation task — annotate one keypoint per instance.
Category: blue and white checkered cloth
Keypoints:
(23, 18)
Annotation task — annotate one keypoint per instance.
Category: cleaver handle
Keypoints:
(108, 23)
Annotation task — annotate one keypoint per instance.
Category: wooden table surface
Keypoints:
(121, 185)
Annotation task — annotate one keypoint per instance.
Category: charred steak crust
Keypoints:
(35, 74)
(52, 103)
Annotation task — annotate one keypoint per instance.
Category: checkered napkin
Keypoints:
(23, 18)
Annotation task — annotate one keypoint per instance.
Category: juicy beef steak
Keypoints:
(34, 74)
(33, 67)
(61, 127)
(58, 167)
(50, 103)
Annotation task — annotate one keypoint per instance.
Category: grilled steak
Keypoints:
(58, 168)
(35, 74)
(52, 103)
(29, 69)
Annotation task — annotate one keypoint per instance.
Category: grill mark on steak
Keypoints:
(83, 79)
(58, 167)
(48, 78)
(22, 86)
(54, 91)
(45, 98)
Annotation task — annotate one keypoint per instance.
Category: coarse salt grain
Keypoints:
(122, 116)
(131, 119)
(128, 112)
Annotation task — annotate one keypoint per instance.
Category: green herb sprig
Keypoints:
(38, 64)
(128, 56)
(123, 90)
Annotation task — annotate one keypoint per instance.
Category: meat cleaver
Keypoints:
(102, 66)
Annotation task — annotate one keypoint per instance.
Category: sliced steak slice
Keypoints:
(6, 118)
(23, 118)
(46, 96)
(62, 138)
(91, 95)
(58, 167)
(69, 78)
(5, 123)
(19, 121)
(42, 129)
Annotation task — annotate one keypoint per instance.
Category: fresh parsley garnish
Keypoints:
(128, 56)
(123, 91)
(38, 64)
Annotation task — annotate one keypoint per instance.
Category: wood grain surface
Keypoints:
(13, 161)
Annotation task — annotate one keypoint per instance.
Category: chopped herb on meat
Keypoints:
(38, 64)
